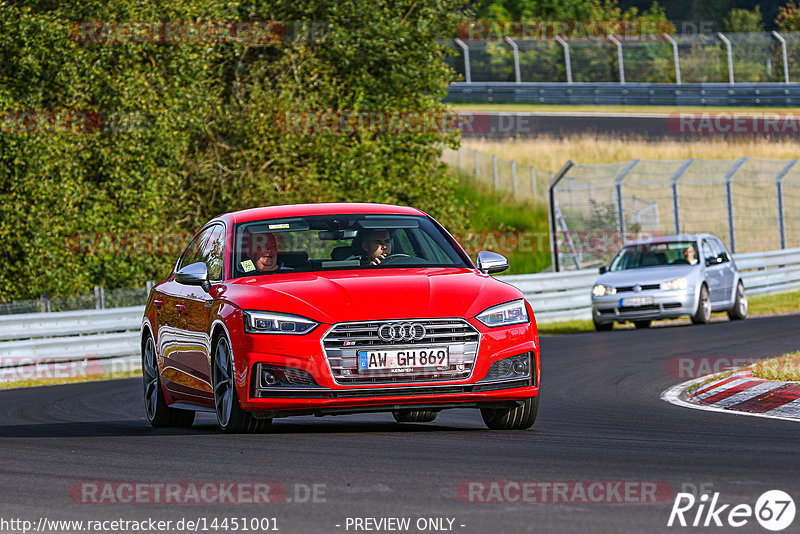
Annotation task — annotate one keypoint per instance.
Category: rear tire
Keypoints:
(230, 416)
(602, 327)
(516, 418)
(703, 313)
(415, 416)
(740, 306)
(642, 324)
(155, 405)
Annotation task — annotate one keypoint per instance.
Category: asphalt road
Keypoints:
(600, 419)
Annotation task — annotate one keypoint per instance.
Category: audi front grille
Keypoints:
(343, 342)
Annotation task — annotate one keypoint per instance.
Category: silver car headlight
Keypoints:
(256, 322)
(504, 314)
(600, 290)
(678, 283)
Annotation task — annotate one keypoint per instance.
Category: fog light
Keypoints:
(519, 367)
(268, 378)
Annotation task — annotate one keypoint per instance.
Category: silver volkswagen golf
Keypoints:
(668, 277)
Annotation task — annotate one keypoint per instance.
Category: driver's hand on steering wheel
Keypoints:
(377, 259)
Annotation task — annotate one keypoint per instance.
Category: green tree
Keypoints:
(743, 21)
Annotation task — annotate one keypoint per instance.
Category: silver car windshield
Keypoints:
(655, 255)
(332, 242)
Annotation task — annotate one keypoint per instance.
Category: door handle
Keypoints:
(180, 308)
(158, 303)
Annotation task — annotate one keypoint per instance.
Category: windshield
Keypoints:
(655, 255)
(331, 242)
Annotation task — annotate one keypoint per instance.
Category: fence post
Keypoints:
(618, 184)
(730, 58)
(567, 61)
(148, 287)
(465, 49)
(477, 164)
(785, 56)
(552, 219)
(675, 57)
(458, 158)
(674, 184)
(729, 200)
(620, 61)
(44, 302)
(779, 195)
(514, 178)
(496, 179)
(533, 181)
(99, 298)
(514, 47)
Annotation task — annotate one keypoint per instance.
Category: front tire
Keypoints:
(155, 405)
(703, 313)
(415, 416)
(230, 416)
(602, 327)
(515, 418)
(642, 324)
(740, 306)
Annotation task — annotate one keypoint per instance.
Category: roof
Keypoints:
(333, 208)
(667, 239)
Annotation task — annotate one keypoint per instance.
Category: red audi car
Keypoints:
(330, 309)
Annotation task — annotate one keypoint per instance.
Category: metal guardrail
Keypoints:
(612, 93)
(111, 336)
(566, 296)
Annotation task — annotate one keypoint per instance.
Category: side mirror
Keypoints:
(491, 262)
(713, 261)
(195, 274)
(603, 269)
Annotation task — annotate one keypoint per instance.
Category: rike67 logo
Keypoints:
(774, 510)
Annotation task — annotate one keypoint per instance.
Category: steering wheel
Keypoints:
(392, 257)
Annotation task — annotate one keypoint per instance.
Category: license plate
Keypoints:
(404, 358)
(635, 301)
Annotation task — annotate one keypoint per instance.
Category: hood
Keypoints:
(647, 275)
(339, 296)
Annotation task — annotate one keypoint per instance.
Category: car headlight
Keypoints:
(276, 323)
(504, 314)
(678, 283)
(600, 290)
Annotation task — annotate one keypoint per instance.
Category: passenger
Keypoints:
(262, 251)
(690, 254)
(377, 244)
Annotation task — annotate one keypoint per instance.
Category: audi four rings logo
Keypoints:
(402, 332)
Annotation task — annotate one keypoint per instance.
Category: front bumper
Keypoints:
(662, 305)
(316, 392)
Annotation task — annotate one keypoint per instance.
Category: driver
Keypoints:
(690, 255)
(377, 244)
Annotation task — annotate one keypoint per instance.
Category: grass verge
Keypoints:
(784, 368)
(68, 380)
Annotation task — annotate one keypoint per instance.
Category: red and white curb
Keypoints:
(741, 394)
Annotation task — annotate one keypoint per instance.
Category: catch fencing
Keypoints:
(729, 58)
(753, 205)
(523, 182)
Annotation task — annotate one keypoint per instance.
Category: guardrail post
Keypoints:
(458, 158)
(533, 181)
(552, 219)
(620, 61)
(477, 164)
(785, 56)
(618, 185)
(44, 302)
(514, 178)
(517, 75)
(729, 199)
(496, 179)
(674, 184)
(99, 298)
(779, 196)
(730, 57)
(675, 56)
(567, 61)
(465, 49)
